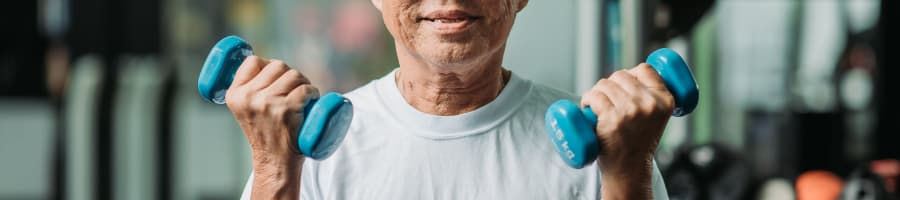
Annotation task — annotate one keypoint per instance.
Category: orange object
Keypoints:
(888, 169)
(818, 184)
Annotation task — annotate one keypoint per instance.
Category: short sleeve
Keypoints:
(309, 181)
(659, 185)
(309, 189)
(248, 188)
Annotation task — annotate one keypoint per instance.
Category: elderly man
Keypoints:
(450, 122)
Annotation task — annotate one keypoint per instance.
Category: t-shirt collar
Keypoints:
(449, 127)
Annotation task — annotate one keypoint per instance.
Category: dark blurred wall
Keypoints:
(888, 131)
(21, 50)
(115, 27)
(112, 29)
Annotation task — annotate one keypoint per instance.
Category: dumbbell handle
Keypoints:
(573, 129)
(325, 119)
(677, 74)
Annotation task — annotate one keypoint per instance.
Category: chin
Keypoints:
(454, 55)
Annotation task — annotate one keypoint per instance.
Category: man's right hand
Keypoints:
(267, 99)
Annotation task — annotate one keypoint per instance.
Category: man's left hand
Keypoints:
(632, 108)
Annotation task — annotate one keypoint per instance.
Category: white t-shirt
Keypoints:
(499, 151)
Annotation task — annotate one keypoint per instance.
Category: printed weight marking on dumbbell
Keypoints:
(581, 142)
(559, 137)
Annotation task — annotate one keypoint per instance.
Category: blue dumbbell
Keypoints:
(326, 119)
(572, 130)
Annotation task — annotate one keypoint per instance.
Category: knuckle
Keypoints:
(670, 100)
(258, 104)
(669, 103)
(598, 83)
(278, 63)
(598, 98)
(650, 109)
(235, 95)
(586, 96)
(280, 111)
(233, 104)
(293, 74)
(644, 68)
(633, 108)
(312, 89)
(615, 124)
(620, 74)
(307, 90)
(630, 111)
(304, 90)
(603, 83)
(252, 60)
(650, 105)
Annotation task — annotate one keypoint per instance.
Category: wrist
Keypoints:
(626, 188)
(627, 179)
(625, 162)
(263, 164)
(277, 178)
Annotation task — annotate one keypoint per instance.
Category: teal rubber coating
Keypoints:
(221, 64)
(572, 130)
(572, 133)
(325, 126)
(325, 120)
(678, 78)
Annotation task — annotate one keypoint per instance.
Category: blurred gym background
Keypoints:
(98, 98)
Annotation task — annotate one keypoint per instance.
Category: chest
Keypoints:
(508, 162)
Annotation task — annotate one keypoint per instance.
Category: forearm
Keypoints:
(277, 179)
(635, 182)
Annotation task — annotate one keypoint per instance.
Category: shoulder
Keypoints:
(551, 94)
(542, 95)
(367, 90)
(365, 95)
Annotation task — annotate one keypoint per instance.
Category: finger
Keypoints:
(648, 76)
(302, 94)
(602, 107)
(627, 81)
(640, 95)
(248, 69)
(597, 100)
(269, 73)
(287, 82)
(622, 101)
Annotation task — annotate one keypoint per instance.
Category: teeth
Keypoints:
(446, 20)
(449, 20)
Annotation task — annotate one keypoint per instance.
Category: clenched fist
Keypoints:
(267, 99)
(632, 108)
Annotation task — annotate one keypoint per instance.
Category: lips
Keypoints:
(447, 16)
(448, 21)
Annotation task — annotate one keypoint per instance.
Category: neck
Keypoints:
(450, 90)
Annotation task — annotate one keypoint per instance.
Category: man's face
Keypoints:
(449, 33)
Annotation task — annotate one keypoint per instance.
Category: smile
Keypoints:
(448, 22)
